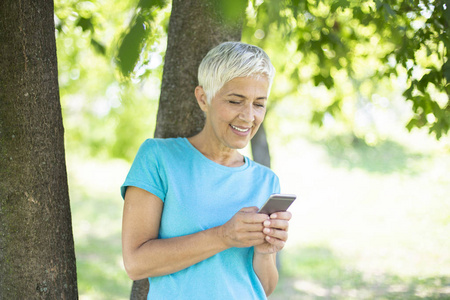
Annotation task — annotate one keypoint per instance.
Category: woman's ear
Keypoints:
(201, 98)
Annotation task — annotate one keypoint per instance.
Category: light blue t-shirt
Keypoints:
(199, 194)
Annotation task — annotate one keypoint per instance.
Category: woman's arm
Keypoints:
(264, 259)
(266, 269)
(145, 255)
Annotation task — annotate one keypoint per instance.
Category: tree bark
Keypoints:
(194, 28)
(260, 147)
(261, 154)
(37, 258)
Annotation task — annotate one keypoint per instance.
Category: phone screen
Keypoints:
(277, 202)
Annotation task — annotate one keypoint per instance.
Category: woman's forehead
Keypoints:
(250, 82)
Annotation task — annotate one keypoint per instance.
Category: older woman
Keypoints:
(190, 221)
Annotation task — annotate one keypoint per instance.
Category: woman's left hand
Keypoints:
(276, 231)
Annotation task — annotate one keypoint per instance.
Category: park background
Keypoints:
(372, 219)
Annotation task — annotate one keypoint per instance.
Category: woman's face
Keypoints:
(236, 111)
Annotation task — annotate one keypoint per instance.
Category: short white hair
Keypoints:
(230, 60)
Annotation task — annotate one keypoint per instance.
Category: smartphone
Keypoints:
(277, 202)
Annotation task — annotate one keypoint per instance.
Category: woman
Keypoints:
(190, 221)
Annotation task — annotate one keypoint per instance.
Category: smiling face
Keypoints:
(236, 111)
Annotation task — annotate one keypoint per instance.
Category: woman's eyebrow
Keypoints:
(243, 97)
(237, 95)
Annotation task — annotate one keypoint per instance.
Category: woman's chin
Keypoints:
(240, 145)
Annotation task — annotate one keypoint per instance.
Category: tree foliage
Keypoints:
(140, 34)
(111, 54)
(370, 41)
(105, 116)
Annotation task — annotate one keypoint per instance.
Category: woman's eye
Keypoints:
(234, 102)
(260, 105)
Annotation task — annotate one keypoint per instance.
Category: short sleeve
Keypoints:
(145, 172)
(276, 185)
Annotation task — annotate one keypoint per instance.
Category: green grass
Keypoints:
(371, 221)
(97, 216)
(315, 272)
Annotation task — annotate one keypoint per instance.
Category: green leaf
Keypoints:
(411, 124)
(446, 71)
(389, 10)
(339, 4)
(318, 79)
(100, 48)
(134, 40)
(317, 118)
(328, 82)
(408, 92)
(147, 4)
(85, 24)
(131, 46)
(294, 6)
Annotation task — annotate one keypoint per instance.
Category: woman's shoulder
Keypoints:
(163, 142)
(162, 146)
(257, 167)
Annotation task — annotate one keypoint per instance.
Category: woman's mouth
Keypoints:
(240, 129)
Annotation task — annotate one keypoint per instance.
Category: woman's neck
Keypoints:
(218, 153)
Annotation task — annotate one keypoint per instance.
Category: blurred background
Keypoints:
(372, 219)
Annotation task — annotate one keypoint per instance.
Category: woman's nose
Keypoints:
(247, 114)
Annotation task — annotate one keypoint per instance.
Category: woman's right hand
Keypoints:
(244, 229)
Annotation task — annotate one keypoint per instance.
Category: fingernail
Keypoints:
(273, 216)
(266, 230)
(266, 223)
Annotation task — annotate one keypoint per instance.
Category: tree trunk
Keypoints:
(194, 28)
(260, 147)
(261, 154)
(37, 258)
